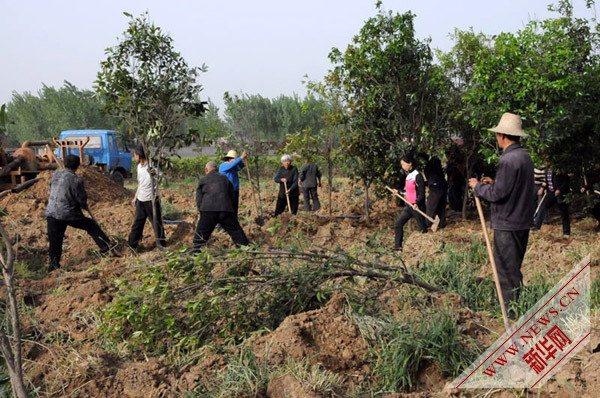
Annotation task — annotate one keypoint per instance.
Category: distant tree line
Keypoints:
(245, 118)
(45, 115)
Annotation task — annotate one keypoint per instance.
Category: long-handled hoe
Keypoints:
(112, 250)
(488, 245)
(435, 222)
(287, 196)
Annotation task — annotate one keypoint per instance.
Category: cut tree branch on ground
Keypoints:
(11, 351)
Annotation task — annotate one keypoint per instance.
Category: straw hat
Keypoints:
(231, 155)
(510, 124)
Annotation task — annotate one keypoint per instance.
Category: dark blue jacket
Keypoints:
(512, 194)
(214, 193)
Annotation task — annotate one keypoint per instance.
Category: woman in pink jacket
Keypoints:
(414, 188)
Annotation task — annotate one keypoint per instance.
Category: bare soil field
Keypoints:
(65, 354)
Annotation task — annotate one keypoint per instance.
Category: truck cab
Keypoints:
(104, 149)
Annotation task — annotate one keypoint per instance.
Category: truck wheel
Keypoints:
(118, 177)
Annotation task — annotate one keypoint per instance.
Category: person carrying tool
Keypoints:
(67, 199)
(310, 177)
(144, 195)
(557, 186)
(438, 188)
(214, 199)
(229, 168)
(289, 194)
(414, 186)
(512, 204)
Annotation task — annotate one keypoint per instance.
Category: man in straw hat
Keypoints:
(229, 168)
(512, 204)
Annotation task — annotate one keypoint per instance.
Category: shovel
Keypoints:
(287, 196)
(435, 222)
(539, 205)
(112, 250)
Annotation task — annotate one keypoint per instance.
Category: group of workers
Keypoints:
(217, 200)
(520, 196)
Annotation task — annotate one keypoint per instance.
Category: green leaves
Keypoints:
(389, 90)
(548, 72)
(149, 87)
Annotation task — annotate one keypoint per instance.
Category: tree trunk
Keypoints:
(468, 171)
(366, 185)
(330, 179)
(12, 352)
(156, 226)
(256, 159)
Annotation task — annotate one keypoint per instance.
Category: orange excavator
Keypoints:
(24, 164)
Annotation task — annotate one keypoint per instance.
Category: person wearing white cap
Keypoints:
(229, 168)
(512, 204)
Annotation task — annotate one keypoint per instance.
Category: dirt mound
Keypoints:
(324, 336)
(99, 187)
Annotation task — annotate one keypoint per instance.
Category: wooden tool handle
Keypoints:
(488, 245)
(406, 200)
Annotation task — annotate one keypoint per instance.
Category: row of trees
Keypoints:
(395, 99)
(43, 116)
(246, 117)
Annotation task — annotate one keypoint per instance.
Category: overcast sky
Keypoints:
(258, 47)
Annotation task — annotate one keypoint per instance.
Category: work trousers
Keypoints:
(143, 211)
(406, 215)
(509, 250)
(281, 204)
(436, 204)
(308, 194)
(549, 201)
(56, 235)
(209, 220)
(596, 212)
(236, 202)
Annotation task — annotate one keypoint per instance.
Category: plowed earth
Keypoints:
(62, 305)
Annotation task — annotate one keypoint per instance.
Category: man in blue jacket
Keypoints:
(229, 168)
(512, 204)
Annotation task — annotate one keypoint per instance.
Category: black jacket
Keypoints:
(310, 175)
(291, 175)
(215, 193)
(435, 174)
(561, 182)
(512, 195)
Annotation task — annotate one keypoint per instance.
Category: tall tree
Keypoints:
(390, 90)
(150, 88)
(549, 73)
(458, 65)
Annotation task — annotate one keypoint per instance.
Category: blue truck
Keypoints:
(104, 149)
